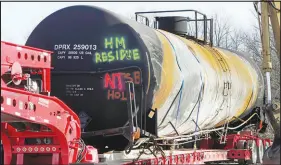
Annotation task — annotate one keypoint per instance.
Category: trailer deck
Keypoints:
(179, 156)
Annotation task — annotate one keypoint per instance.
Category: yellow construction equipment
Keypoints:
(270, 15)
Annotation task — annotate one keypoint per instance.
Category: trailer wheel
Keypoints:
(266, 146)
(242, 144)
(260, 151)
(253, 147)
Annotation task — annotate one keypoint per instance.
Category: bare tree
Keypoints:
(236, 40)
(252, 45)
(221, 31)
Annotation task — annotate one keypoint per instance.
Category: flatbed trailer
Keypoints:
(28, 115)
(239, 149)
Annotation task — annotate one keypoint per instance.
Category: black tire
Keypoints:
(266, 145)
(242, 144)
(251, 144)
(260, 152)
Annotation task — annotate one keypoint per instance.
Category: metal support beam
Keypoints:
(205, 29)
(196, 26)
(267, 65)
(275, 23)
(211, 32)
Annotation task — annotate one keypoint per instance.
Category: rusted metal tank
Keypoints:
(96, 51)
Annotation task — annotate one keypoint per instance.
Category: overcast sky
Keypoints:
(18, 19)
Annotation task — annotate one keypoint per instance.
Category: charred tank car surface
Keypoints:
(96, 51)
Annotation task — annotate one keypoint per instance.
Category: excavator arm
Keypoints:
(274, 12)
(270, 14)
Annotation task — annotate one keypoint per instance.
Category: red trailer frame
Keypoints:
(57, 121)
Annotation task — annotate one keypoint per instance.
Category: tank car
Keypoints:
(187, 83)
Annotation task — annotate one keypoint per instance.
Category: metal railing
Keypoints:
(205, 21)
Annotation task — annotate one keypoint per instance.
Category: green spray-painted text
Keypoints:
(117, 51)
